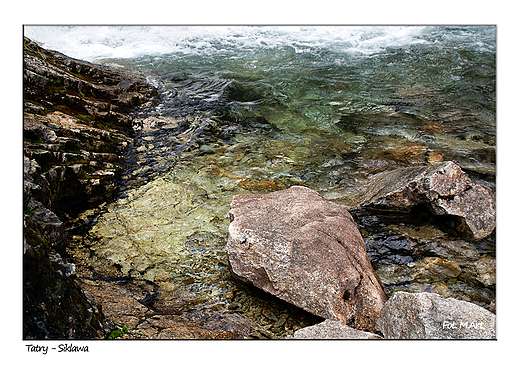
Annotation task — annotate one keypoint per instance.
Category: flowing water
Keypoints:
(259, 109)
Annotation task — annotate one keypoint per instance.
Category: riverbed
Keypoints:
(260, 109)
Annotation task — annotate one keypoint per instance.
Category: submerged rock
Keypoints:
(427, 270)
(332, 330)
(424, 258)
(124, 304)
(388, 248)
(444, 188)
(305, 250)
(483, 270)
(430, 316)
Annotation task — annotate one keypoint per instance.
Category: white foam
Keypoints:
(102, 42)
(97, 42)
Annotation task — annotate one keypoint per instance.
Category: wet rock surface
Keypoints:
(158, 251)
(76, 127)
(77, 134)
(74, 130)
(417, 255)
(171, 227)
(430, 316)
(429, 269)
(125, 305)
(54, 305)
(332, 330)
(306, 250)
(443, 188)
(97, 94)
(79, 166)
(413, 249)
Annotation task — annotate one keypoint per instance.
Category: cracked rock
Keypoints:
(444, 188)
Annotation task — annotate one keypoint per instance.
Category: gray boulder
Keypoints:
(332, 330)
(303, 249)
(430, 316)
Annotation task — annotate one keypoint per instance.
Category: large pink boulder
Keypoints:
(306, 250)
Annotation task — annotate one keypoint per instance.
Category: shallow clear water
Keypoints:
(323, 107)
(428, 85)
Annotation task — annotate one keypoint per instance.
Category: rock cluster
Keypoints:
(308, 251)
(443, 188)
(67, 163)
(305, 250)
(75, 129)
(98, 94)
(293, 243)
(415, 316)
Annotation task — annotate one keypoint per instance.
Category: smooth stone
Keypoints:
(332, 330)
(430, 316)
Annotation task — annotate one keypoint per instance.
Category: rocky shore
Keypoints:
(76, 128)
(77, 132)
(294, 244)
(308, 251)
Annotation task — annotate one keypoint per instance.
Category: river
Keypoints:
(253, 109)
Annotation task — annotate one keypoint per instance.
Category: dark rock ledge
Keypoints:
(78, 133)
(76, 127)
